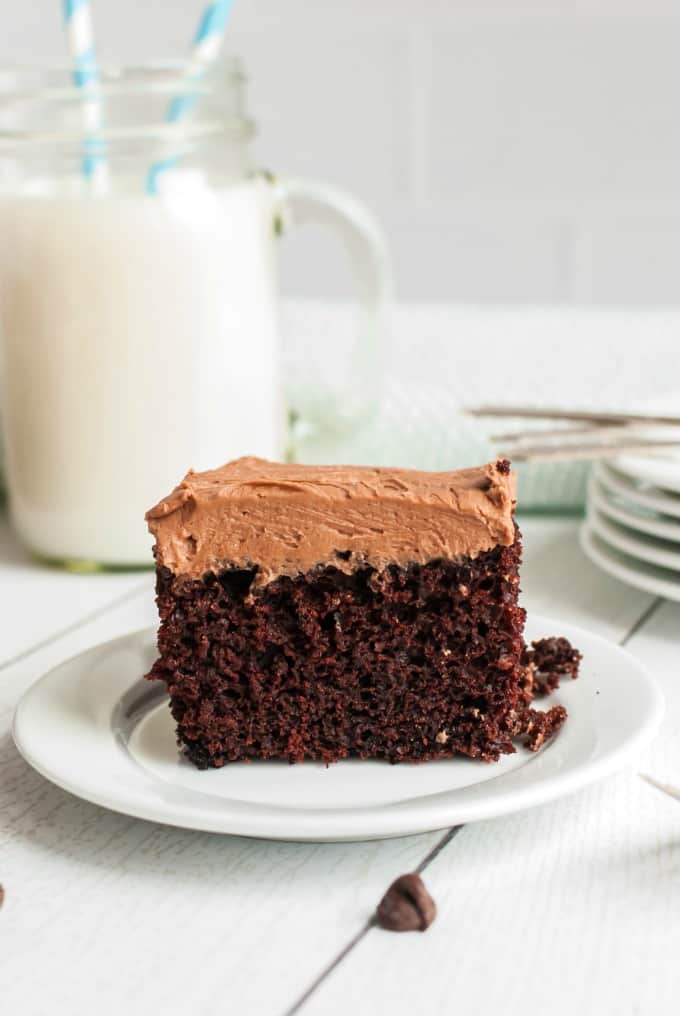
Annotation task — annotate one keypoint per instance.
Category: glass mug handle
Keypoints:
(318, 407)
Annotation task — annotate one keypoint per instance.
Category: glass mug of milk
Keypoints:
(139, 324)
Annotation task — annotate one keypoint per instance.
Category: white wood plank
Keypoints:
(109, 914)
(38, 602)
(569, 908)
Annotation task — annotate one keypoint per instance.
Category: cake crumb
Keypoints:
(551, 659)
(538, 727)
(442, 737)
(545, 662)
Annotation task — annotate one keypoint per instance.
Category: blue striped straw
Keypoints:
(204, 51)
(80, 34)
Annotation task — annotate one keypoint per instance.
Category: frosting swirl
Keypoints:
(288, 518)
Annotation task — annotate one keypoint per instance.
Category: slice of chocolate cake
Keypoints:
(322, 612)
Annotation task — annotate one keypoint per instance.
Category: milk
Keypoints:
(140, 337)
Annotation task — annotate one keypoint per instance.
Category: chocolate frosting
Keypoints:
(287, 518)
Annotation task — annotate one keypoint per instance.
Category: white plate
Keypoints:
(649, 497)
(640, 519)
(97, 730)
(638, 545)
(661, 470)
(639, 574)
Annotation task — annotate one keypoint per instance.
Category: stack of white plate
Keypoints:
(632, 527)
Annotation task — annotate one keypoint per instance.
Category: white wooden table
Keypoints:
(572, 908)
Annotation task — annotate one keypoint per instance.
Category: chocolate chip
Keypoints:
(406, 906)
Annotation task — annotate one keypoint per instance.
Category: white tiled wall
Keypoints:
(515, 150)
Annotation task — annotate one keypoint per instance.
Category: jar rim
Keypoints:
(116, 78)
(25, 85)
